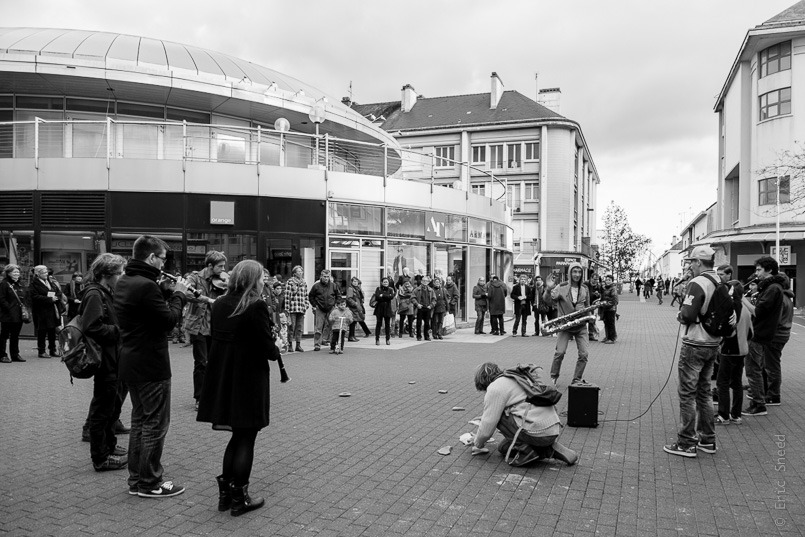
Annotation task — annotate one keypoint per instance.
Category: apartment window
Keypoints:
(531, 192)
(532, 150)
(513, 195)
(445, 156)
(767, 189)
(496, 156)
(479, 189)
(775, 103)
(514, 155)
(479, 154)
(775, 58)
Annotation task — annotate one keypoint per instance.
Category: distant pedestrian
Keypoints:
(731, 357)
(405, 309)
(522, 296)
(660, 289)
(11, 305)
(424, 300)
(609, 309)
(72, 293)
(236, 393)
(296, 301)
(497, 293)
(481, 298)
(538, 303)
(383, 311)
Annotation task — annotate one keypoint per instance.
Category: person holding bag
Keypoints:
(12, 314)
(381, 302)
(235, 396)
(99, 323)
(46, 297)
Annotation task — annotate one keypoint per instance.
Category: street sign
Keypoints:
(785, 254)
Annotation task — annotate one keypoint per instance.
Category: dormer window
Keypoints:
(775, 58)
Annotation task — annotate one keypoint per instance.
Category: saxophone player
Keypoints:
(570, 296)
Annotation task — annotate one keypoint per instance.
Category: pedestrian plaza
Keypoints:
(367, 464)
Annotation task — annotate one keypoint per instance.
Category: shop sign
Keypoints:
(435, 226)
(526, 271)
(222, 213)
(785, 254)
(560, 261)
(277, 253)
(477, 231)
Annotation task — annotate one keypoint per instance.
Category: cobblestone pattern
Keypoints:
(367, 464)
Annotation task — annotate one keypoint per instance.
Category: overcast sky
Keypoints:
(640, 76)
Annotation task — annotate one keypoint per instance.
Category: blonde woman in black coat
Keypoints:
(235, 396)
(383, 313)
(10, 314)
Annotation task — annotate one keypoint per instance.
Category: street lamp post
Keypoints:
(316, 115)
(777, 235)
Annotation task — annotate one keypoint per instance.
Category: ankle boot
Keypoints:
(564, 454)
(377, 341)
(241, 502)
(224, 493)
(299, 348)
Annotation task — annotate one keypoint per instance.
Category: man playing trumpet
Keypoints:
(570, 297)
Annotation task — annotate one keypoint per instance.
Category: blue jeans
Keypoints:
(582, 343)
(150, 419)
(695, 397)
(322, 330)
(754, 372)
(773, 368)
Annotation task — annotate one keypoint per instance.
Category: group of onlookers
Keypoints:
(761, 326)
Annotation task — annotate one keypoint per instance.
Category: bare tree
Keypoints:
(622, 247)
(789, 164)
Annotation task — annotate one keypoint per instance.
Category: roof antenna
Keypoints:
(350, 93)
(536, 85)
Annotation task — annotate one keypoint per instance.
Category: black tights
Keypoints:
(239, 456)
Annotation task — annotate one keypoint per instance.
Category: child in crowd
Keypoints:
(340, 319)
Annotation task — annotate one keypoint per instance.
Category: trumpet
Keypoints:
(571, 320)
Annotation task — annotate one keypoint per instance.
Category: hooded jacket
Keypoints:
(697, 298)
(497, 292)
(783, 332)
(563, 298)
(769, 307)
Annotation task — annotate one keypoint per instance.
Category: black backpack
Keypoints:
(80, 353)
(716, 320)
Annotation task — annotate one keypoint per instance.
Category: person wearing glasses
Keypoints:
(146, 314)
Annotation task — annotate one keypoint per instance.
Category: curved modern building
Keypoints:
(105, 136)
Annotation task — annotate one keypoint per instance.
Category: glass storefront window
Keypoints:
(405, 223)
(343, 266)
(236, 247)
(415, 256)
(279, 261)
(498, 235)
(450, 260)
(480, 232)
(478, 268)
(67, 253)
(18, 249)
(355, 219)
(456, 229)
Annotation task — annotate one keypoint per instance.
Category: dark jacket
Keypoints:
(768, 308)
(324, 295)
(355, 302)
(99, 322)
(481, 297)
(145, 318)
(72, 292)
(451, 289)
(236, 386)
(522, 306)
(383, 296)
(596, 290)
(46, 313)
(497, 297)
(441, 300)
(10, 310)
(609, 298)
(423, 296)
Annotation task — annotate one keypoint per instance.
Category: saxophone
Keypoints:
(571, 320)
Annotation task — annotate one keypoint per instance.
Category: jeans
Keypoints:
(321, 327)
(582, 343)
(410, 318)
(150, 419)
(479, 321)
(541, 445)
(10, 332)
(773, 369)
(378, 326)
(422, 315)
(730, 375)
(754, 362)
(335, 339)
(201, 347)
(610, 332)
(295, 327)
(518, 315)
(104, 411)
(695, 397)
(437, 323)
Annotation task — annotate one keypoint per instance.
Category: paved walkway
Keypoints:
(368, 464)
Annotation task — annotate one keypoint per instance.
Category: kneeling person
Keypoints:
(506, 409)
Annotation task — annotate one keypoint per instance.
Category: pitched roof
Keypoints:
(792, 15)
(458, 110)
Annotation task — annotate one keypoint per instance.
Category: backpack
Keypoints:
(537, 393)
(716, 320)
(81, 354)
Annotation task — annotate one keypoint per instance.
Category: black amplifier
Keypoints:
(582, 405)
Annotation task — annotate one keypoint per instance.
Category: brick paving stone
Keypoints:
(367, 465)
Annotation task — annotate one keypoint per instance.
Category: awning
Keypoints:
(753, 237)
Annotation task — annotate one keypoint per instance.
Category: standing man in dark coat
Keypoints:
(146, 318)
(497, 305)
(522, 294)
(46, 297)
(481, 304)
(323, 295)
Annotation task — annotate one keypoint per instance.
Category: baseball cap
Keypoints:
(701, 252)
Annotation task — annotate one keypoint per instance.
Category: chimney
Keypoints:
(497, 91)
(346, 101)
(549, 98)
(408, 97)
